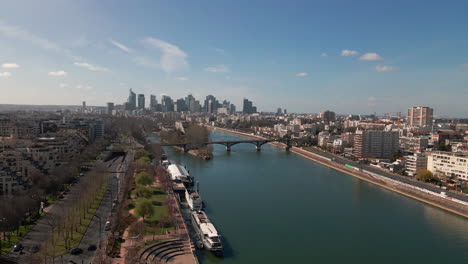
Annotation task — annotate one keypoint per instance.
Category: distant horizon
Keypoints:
(298, 113)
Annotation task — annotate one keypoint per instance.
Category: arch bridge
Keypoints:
(258, 143)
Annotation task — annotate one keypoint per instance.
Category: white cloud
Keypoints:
(5, 74)
(84, 87)
(372, 99)
(349, 52)
(64, 85)
(10, 66)
(172, 57)
(324, 54)
(90, 66)
(182, 78)
(217, 69)
(301, 74)
(370, 57)
(120, 46)
(380, 68)
(57, 73)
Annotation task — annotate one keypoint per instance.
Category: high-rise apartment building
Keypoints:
(375, 144)
(420, 116)
(141, 101)
(327, 115)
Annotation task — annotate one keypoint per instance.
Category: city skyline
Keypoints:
(301, 60)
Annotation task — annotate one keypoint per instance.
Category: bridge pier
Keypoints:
(258, 146)
(228, 148)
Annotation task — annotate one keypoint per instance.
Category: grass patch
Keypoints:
(160, 210)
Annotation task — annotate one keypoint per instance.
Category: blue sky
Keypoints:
(347, 56)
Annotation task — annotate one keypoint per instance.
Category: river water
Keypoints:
(276, 207)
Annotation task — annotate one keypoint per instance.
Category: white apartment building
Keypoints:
(415, 163)
(448, 164)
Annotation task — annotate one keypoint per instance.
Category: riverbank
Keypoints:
(426, 197)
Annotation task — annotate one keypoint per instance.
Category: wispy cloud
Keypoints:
(465, 65)
(301, 74)
(25, 35)
(370, 57)
(371, 99)
(182, 79)
(120, 46)
(5, 74)
(146, 62)
(10, 66)
(90, 66)
(84, 87)
(217, 69)
(381, 68)
(57, 73)
(349, 52)
(324, 54)
(172, 57)
(64, 85)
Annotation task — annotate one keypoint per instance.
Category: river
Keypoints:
(276, 207)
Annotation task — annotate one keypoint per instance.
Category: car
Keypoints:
(92, 248)
(107, 226)
(34, 249)
(17, 247)
(76, 251)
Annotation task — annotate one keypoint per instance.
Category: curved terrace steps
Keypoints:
(157, 253)
(147, 251)
(165, 250)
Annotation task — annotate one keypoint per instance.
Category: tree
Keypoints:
(143, 192)
(145, 209)
(424, 175)
(143, 178)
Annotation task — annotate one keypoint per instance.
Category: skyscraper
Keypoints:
(211, 104)
(420, 116)
(131, 100)
(153, 102)
(141, 101)
(110, 108)
(248, 107)
(83, 108)
(167, 104)
(180, 105)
